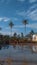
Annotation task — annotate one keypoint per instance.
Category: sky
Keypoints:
(17, 11)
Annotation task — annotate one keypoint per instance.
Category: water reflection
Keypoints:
(6, 47)
(18, 53)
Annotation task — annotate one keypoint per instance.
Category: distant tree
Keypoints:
(11, 25)
(25, 22)
(18, 36)
(32, 32)
(15, 35)
(22, 35)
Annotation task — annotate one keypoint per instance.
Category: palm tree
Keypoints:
(25, 22)
(11, 25)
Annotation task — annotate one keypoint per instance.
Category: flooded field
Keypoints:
(17, 63)
(17, 55)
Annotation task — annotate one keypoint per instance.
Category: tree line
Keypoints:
(15, 39)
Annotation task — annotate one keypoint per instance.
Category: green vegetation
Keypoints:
(15, 39)
(11, 25)
(6, 39)
(25, 22)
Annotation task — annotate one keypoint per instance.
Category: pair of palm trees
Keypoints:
(25, 22)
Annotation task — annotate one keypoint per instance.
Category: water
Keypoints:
(19, 54)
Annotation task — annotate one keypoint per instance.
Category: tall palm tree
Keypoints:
(11, 25)
(25, 22)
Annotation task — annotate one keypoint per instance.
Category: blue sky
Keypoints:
(17, 11)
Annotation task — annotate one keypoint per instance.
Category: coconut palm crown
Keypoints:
(11, 25)
(25, 22)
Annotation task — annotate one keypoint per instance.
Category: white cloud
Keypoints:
(13, 29)
(19, 26)
(15, 19)
(34, 6)
(34, 25)
(32, 1)
(5, 19)
(30, 13)
(16, 27)
(5, 33)
(1, 19)
(33, 15)
(9, 33)
(21, 13)
(21, 0)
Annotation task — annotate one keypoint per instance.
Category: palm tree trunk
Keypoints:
(10, 35)
(11, 32)
(25, 29)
